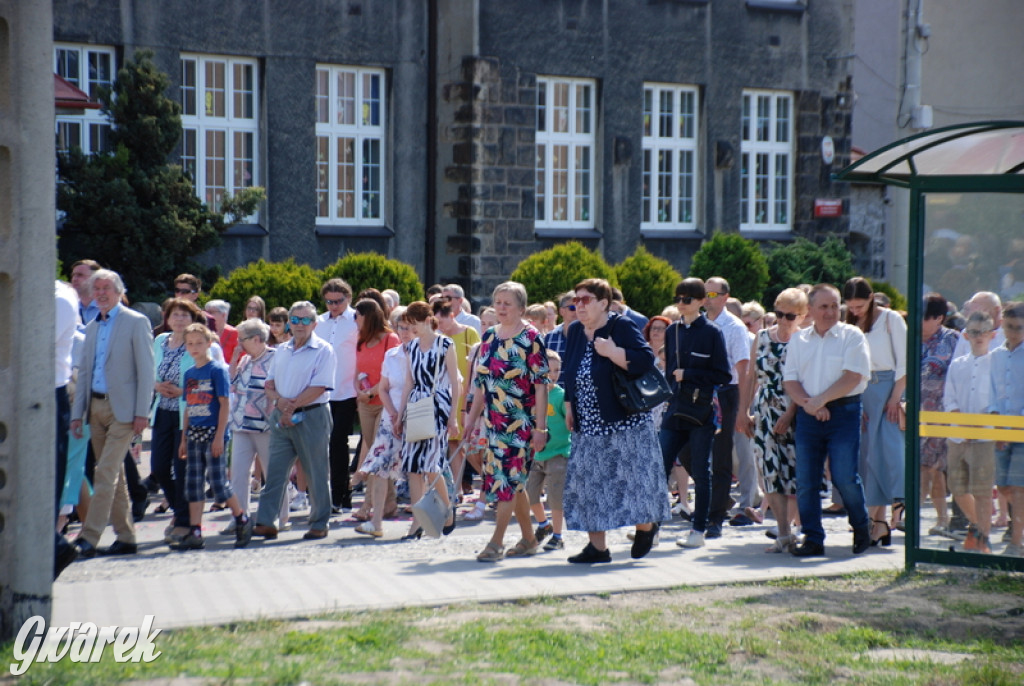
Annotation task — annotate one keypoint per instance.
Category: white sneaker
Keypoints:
(694, 540)
(299, 502)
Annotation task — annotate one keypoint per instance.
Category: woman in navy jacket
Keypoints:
(615, 475)
(696, 361)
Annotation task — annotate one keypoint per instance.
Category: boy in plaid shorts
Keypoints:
(207, 389)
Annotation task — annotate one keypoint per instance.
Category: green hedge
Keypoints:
(278, 283)
(373, 270)
(898, 301)
(648, 283)
(803, 261)
(550, 273)
(735, 258)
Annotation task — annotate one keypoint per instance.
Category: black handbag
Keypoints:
(640, 393)
(691, 405)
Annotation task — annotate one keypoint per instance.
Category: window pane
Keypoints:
(371, 100)
(560, 182)
(782, 120)
(323, 176)
(346, 170)
(582, 189)
(323, 96)
(100, 72)
(648, 110)
(665, 108)
(745, 187)
(646, 199)
(582, 109)
(664, 186)
(763, 117)
(68, 65)
(541, 176)
(99, 138)
(371, 179)
(687, 114)
(244, 162)
(69, 135)
(542, 100)
(243, 91)
(746, 117)
(346, 98)
(781, 189)
(214, 91)
(561, 107)
(685, 186)
(761, 188)
(188, 153)
(215, 169)
(188, 87)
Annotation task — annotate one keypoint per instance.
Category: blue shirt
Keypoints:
(1008, 381)
(86, 313)
(99, 363)
(204, 387)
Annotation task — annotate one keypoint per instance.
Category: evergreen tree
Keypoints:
(130, 209)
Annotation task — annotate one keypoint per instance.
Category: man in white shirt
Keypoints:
(827, 368)
(453, 294)
(299, 381)
(338, 327)
(737, 344)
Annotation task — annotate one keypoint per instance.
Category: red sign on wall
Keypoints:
(827, 207)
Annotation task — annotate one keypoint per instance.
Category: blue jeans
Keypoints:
(700, 439)
(838, 440)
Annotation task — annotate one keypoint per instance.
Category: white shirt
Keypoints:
(968, 386)
(342, 334)
(888, 336)
(293, 371)
(393, 370)
(737, 340)
(67, 325)
(817, 362)
(467, 319)
(963, 346)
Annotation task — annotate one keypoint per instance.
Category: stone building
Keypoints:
(463, 135)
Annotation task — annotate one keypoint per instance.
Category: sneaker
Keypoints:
(189, 542)
(1013, 551)
(543, 531)
(477, 512)
(299, 502)
(555, 543)
(713, 531)
(694, 540)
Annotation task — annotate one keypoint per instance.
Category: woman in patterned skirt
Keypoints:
(616, 476)
(431, 369)
(511, 385)
(772, 427)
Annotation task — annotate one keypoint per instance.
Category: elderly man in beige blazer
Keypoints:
(115, 390)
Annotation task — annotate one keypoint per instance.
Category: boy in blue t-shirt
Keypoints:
(550, 464)
(207, 389)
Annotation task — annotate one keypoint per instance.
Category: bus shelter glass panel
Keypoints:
(971, 419)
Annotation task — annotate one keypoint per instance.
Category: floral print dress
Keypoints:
(936, 356)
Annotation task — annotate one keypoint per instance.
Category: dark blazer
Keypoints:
(702, 354)
(626, 335)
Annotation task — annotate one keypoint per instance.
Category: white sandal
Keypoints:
(367, 528)
(783, 544)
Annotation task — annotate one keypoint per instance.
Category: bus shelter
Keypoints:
(966, 186)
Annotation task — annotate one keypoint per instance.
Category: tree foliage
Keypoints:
(131, 210)
(648, 283)
(373, 270)
(279, 284)
(897, 300)
(736, 259)
(550, 273)
(804, 261)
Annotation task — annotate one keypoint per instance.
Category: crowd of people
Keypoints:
(787, 405)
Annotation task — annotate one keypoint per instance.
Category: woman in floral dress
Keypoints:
(772, 427)
(937, 346)
(511, 385)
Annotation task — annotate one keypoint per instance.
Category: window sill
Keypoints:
(583, 234)
(762, 235)
(672, 234)
(246, 230)
(354, 231)
(787, 6)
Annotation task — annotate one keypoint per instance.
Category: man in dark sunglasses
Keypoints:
(299, 382)
(555, 340)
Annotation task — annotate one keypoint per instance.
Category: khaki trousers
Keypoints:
(110, 442)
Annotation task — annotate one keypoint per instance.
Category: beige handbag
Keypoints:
(420, 421)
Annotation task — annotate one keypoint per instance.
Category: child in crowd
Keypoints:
(971, 462)
(207, 390)
(537, 316)
(550, 464)
(1008, 399)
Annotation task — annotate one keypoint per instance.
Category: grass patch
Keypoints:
(1003, 583)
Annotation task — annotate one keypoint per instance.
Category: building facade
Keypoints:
(460, 136)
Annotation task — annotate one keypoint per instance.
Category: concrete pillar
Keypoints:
(27, 268)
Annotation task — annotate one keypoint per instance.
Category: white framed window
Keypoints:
(220, 125)
(566, 146)
(670, 135)
(351, 120)
(766, 161)
(88, 68)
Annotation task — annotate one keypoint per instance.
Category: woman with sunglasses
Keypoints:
(696, 361)
(772, 425)
(615, 478)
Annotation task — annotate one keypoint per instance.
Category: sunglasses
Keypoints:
(786, 315)
(305, 321)
(583, 300)
(715, 294)
(335, 302)
(977, 332)
(685, 299)
(446, 298)
(184, 291)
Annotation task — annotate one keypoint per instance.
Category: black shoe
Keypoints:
(809, 549)
(119, 548)
(139, 509)
(543, 531)
(63, 556)
(591, 555)
(86, 550)
(833, 511)
(713, 531)
(741, 520)
(643, 541)
(415, 535)
(151, 484)
(862, 540)
(448, 528)
(190, 542)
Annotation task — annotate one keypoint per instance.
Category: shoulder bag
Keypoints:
(691, 404)
(430, 512)
(420, 423)
(639, 393)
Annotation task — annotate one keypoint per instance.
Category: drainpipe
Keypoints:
(430, 252)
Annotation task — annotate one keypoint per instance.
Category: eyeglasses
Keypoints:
(977, 332)
(447, 298)
(339, 301)
(786, 315)
(184, 291)
(583, 300)
(715, 294)
(659, 328)
(685, 299)
(305, 321)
